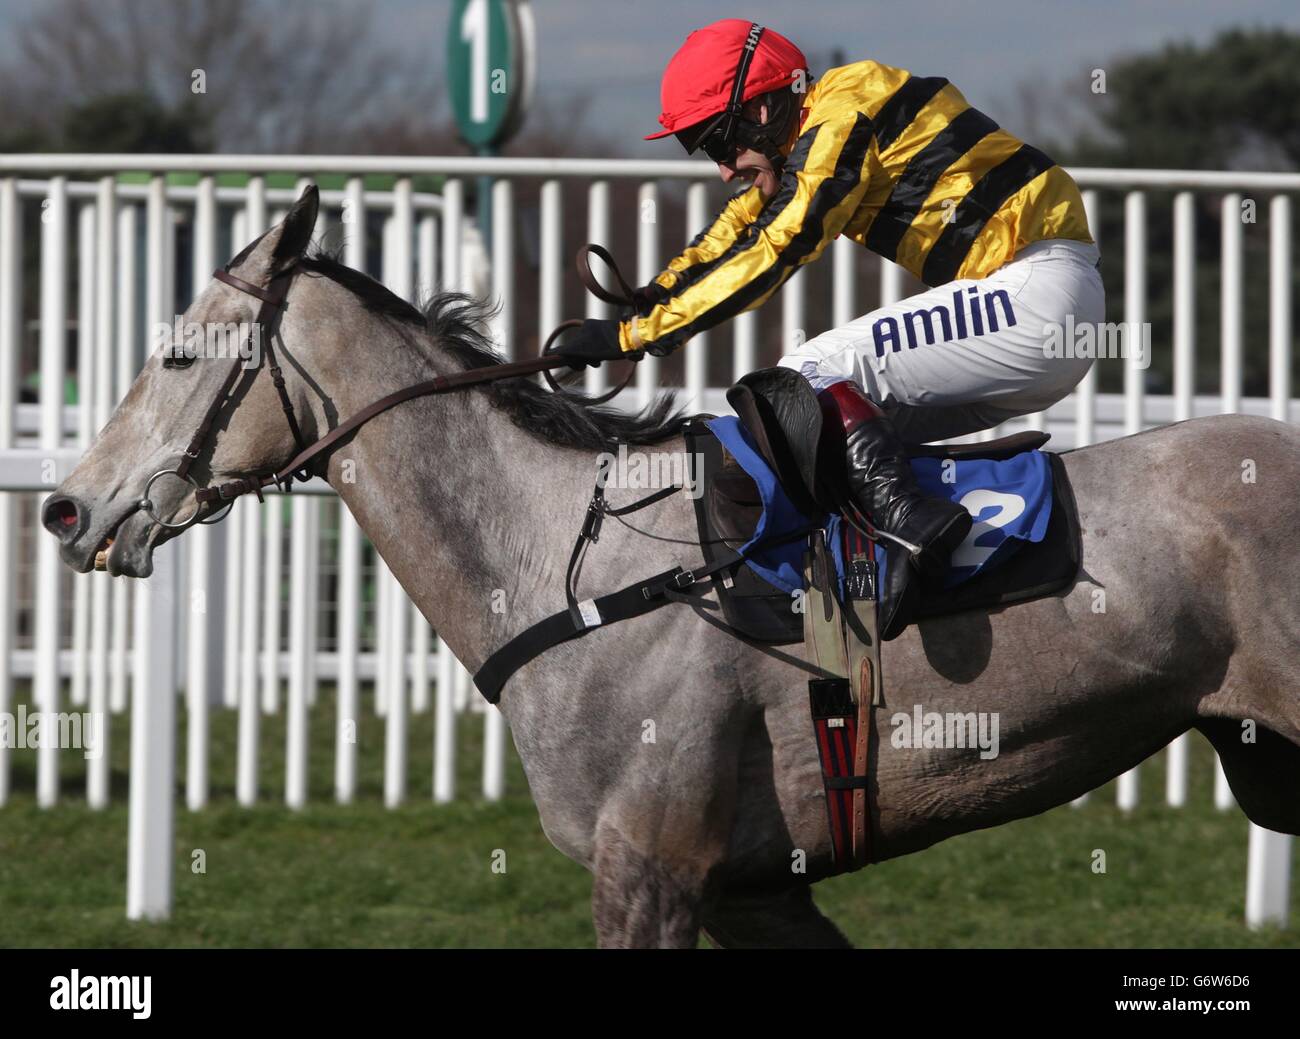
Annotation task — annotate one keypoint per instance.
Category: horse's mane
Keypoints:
(457, 320)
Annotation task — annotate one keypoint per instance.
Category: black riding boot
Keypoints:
(881, 484)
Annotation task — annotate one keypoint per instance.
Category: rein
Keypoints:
(442, 384)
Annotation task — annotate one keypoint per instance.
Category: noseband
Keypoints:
(301, 465)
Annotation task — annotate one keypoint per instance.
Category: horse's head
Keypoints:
(99, 506)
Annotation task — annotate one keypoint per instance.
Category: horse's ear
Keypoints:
(296, 230)
(278, 249)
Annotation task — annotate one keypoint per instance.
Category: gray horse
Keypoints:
(674, 762)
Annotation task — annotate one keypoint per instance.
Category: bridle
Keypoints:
(300, 467)
(265, 325)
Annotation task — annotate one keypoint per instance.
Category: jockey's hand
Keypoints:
(595, 341)
(647, 297)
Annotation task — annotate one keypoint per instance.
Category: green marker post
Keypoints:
(490, 52)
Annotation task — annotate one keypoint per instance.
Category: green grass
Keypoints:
(421, 875)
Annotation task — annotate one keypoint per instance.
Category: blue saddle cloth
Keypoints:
(1009, 500)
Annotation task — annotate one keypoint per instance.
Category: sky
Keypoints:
(616, 49)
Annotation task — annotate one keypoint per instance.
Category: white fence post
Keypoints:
(697, 350)
(1268, 878)
(503, 261)
(444, 727)
(245, 513)
(128, 354)
(11, 307)
(597, 234)
(153, 718)
(304, 535)
(206, 587)
(46, 681)
(398, 277)
(1085, 394)
(272, 515)
(151, 820)
(647, 269)
(794, 327)
(349, 582)
(1230, 304)
(891, 282)
(246, 779)
(844, 256)
(1135, 287)
(1279, 306)
(82, 584)
(106, 291)
(1184, 333)
(551, 268)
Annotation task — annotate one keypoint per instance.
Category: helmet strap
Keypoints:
(767, 138)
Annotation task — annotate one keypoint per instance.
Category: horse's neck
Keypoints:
(467, 510)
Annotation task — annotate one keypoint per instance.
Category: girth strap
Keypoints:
(580, 617)
(631, 601)
(835, 728)
(842, 701)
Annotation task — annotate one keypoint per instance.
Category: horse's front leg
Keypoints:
(641, 901)
(657, 849)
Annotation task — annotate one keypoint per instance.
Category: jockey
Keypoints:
(904, 166)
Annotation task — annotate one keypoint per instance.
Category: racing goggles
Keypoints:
(716, 138)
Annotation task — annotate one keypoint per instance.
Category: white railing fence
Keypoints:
(213, 621)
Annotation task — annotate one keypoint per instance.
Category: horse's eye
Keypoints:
(177, 360)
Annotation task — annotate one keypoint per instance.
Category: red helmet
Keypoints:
(699, 79)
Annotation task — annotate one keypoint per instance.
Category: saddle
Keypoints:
(780, 414)
(728, 508)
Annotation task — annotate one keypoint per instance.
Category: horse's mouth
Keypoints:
(127, 549)
(124, 550)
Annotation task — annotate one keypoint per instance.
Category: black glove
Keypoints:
(647, 297)
(595, 341)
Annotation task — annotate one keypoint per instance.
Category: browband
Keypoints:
(221, 274)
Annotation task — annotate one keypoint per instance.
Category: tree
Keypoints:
(1234, 104)
(255, 75)
(135, 123)
(1231, 104)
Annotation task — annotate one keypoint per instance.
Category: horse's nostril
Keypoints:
(61, 517)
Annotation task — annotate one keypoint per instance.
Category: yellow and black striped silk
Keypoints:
(898, 163)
